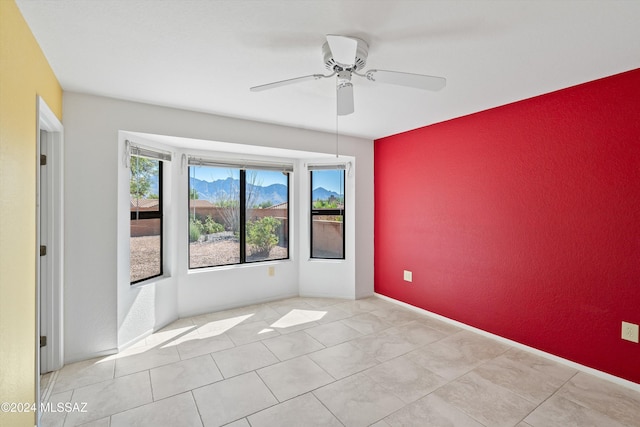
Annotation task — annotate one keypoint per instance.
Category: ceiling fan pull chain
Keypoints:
(337, 155)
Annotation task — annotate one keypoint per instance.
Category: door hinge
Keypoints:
(43, 340)
(43, 250)
(43, 159)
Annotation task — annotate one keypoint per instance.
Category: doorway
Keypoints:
(49, 244)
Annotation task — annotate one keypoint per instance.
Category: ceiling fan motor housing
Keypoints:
(360, 61)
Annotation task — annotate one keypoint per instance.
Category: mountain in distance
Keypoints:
(321, 193)
(223, 189)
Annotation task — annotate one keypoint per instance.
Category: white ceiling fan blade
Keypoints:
(419, 81)
(345, 99)
(286, 82)
(343, 49)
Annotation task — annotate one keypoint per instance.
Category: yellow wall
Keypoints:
(24, 73)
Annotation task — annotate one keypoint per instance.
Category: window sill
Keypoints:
(245, 265)
(150, 281)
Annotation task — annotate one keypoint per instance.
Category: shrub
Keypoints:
(195, 229)
(261, 235)
(210, 226)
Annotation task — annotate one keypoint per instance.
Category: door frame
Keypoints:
(49, 301)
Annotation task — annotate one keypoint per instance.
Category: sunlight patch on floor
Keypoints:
(298, 317)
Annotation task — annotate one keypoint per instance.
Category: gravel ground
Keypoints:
(204, 254)
(145, 253)
(144, 257)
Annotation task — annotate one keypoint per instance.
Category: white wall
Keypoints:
(102, 311)
(330, 278)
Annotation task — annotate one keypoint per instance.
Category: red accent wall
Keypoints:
(522, 220)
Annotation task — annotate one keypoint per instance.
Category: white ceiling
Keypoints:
(204, 55)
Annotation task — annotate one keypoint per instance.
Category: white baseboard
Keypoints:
(566, 362)
(325, 295)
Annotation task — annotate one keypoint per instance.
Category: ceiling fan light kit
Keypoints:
(345, 56)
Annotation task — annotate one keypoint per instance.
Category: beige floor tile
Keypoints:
(332, 314)
(333, 333)
(484, 401)
(175, 411)
(484, 348)
(295, 320)
(321, 302)
(183, 376)
(405, 379)
(110, 397)
(293, 412)
(53, 417)
(561, 412)
(248, 314)
(539, 364)
(615, 401)
(143, 358)
(198, 346)
(294, 377)
(431, 411)
(102, 422)
(440, 325)
(457, 354)
(384, 365)
(229, 400)
(417, 333)
(203, 319)
(358, 306)
(80, 374)
(284, 307)
(186, 334)
(358, 400)
(170, 332)
(366, 323)
(251, 332)
(381, 303)
(343, 360)
(221, 326)
(526, 382)
(240, 423)
(245, 358)
(384, 345)
(397, 316)
(292, 345)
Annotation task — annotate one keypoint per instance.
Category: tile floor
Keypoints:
(325, 362)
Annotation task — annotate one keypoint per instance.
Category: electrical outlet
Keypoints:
(630, 332)
(408, 276)
(271, 271)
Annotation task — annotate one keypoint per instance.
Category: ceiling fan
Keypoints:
(345, 57)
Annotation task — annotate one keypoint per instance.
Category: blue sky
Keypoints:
(330, 179)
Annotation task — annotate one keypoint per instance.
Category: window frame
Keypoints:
(159, 214)
(242, 209)
(243, 220)
(327, 212)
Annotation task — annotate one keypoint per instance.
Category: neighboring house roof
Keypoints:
(279, 206)
(146, 204)
(197, 203)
